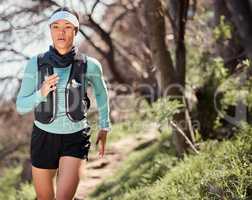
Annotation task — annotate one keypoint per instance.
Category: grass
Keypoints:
(143, 167)
(221, 171)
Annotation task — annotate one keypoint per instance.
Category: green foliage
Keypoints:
(26, 192)
(224, 30)
(235, 89)
(123, 129)
(197, 70)
(219, 71)
(231, 177)
(163, 110)
(7, 183)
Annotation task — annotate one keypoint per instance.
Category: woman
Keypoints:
(53, 87)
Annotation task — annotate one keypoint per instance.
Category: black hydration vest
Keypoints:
(76, 100)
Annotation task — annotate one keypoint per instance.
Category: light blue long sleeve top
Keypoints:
(29, 97)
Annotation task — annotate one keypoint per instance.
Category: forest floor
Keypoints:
(95, 171)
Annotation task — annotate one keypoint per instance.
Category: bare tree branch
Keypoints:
(22, 27)
(94, 6)
(103, 53)
(35, 9)
(11, 60)
(9, 78)
(110, 5)
(84, 5)
(117, 19)
(15, 52)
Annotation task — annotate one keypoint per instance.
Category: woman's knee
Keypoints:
(64, 196)
(44, 196)
(43, 183)
(45, 192)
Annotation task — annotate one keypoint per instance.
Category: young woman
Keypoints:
(54, 86)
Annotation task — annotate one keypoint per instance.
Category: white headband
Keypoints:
(66, 16)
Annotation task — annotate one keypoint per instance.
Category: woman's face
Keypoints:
(62, 33)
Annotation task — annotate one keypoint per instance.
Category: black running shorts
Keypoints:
(47, 148)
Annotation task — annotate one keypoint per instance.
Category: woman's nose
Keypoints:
(62, 30)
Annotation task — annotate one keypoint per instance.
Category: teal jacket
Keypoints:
(29, 97)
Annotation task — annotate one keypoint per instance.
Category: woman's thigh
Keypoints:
(43, 183)
(68, 177)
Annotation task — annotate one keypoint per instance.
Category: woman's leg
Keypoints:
(68, 177)
(43, 183)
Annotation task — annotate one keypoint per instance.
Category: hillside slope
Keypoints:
(223, 170)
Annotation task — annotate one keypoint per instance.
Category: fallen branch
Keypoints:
(184, 135)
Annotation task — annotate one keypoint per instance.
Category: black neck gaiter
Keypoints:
(60, 61)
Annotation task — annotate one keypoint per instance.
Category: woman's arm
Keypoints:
(95, 77)
(28, 96)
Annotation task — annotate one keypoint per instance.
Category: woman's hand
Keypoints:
(49, 84)
(101, 138)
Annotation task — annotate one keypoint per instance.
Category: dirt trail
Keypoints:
(97, 170)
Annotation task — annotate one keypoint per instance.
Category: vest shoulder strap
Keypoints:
(79, 68)
(85, 64)
(39, 60)
(44, 64)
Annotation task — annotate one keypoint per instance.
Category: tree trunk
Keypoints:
(109, 55)
(180, 72)
(241, 16)
(169, 75)
(156, 35)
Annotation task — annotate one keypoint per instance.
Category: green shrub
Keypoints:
(9, 189)
(223, 170)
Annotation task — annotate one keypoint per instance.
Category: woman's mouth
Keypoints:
(61, 39)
